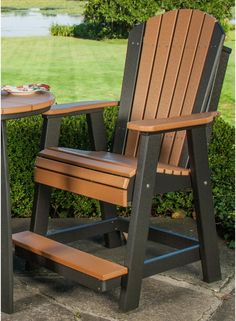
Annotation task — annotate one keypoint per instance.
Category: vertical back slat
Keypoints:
(189, 53)
(128, 87)
(143, 80)
(201, 80)
(171, 75)
(165, 107)
(160, 63)
(158, 72)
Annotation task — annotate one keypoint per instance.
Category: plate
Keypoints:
(25, 90)
(27, 93)
(4, 93)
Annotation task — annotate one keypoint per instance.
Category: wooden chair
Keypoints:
(173, 75)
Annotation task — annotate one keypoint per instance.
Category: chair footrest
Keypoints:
(72, 258)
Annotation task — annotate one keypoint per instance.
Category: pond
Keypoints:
(32, 22)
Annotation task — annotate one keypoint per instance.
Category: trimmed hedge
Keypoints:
(94, 31)
(23, 146)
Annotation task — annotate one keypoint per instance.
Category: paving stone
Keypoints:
(159, 300)
(176, 295)
(30, 305)
(226, 312)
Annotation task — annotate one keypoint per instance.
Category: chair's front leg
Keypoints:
(139, 223)
(97, 134)
(6, 234)
(42, 193)
(203, 200)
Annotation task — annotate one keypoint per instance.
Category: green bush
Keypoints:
(23, 146)
(119, 16)
(114, 19)
(222, 164)
(62, 30)
(221, 10)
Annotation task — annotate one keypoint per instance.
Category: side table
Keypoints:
(12, 107)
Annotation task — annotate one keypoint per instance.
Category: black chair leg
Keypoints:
(202, 192)
(6, 233)
(112, 239)
(41, 206)
(139, 222)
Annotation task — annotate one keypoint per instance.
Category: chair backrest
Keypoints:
(170, 69)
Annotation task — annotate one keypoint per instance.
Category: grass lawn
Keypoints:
(80, 69)
(227, 100)
(76, 69)
(51, 6)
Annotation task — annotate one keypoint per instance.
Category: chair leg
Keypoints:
(6, 233)
(41, 206)
(112, 239)
(139, 222)
(203, 199)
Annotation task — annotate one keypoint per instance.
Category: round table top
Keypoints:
(13, 106)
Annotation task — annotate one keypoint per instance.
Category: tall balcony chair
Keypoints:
(173, 75)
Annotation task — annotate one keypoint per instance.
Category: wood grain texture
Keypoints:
(174, 53)
(63, 109)
(73, 258)
(192, 91)
(182, 81)
(143, 79)
(14, 104)
(98, 161)
(79, 186)
(83, 173)
(172, 123)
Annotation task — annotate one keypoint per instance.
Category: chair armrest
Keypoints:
(83, 107)
(173, 123)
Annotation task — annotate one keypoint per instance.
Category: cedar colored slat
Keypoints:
(175, 59)
(120, 160)
(83, 173)
(194, 81)
(73, 258)
(145, 69)
(160, 63)
(158, 70)
(166, 101)
(112, 158)
(165, 124)
(117, 159)
(182, 82)
(83, 187)
(101, 164)
(128, 86)
(79, 106)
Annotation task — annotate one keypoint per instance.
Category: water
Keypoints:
(33, 23)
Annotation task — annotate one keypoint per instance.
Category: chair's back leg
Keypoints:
(97, 134)
(42, 194)
(112, 239)
(203, 200)
(139, 222)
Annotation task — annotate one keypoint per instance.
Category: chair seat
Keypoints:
(101, 175)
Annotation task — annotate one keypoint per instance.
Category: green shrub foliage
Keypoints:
(23, 146)
(62, 30)
(221, 10)
(117, 17)
(222, 164)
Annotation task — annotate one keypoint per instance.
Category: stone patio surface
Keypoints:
(175, 295)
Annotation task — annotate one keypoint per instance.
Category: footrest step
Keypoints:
(83, 262)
